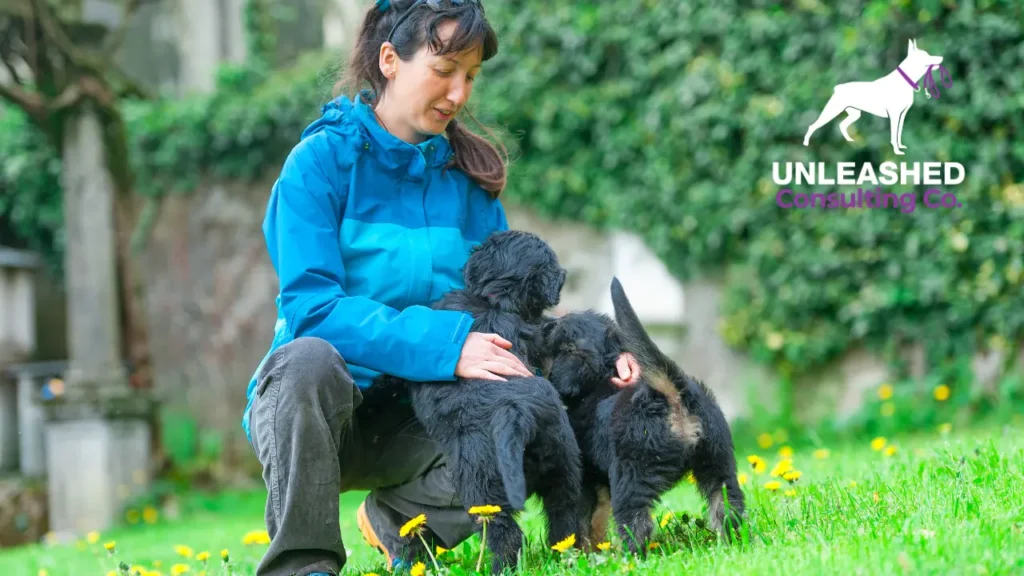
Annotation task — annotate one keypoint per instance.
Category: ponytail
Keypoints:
(484, 163)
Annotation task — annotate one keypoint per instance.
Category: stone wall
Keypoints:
(211, 304)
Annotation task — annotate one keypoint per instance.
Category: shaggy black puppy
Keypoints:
(640, 441)
(504, 440)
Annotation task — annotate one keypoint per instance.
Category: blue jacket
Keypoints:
(364, 231)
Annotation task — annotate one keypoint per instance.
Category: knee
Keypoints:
(311, 367)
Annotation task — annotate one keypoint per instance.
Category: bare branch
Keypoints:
(112, 43)
(54, 32)
(30, 102)
(68, 98)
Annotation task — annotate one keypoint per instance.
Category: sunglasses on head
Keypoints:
(384, 5)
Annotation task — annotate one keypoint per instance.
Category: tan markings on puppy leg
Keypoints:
(599, 521)
(716, 510)
(685, 426)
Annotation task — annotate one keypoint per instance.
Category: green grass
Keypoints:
(940, 505)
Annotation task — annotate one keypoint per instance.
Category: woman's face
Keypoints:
(426, 92)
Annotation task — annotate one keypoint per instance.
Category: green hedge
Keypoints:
(664, 118)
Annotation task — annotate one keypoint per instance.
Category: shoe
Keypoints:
(370, 537)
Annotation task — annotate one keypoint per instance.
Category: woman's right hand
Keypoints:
(486, 356)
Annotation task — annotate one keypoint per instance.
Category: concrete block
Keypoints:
(96, 465)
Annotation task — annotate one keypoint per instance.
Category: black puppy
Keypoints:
(637, 442)
(504, 440)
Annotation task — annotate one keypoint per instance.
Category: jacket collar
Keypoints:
(436, 150)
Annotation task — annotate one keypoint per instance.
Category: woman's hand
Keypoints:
(486, 356)
(629, 370)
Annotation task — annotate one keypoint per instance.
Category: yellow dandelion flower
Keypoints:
(371, 574)
(784, 465)
(665, 518)
(945, 428)
(652, 545)
(822, 453)
(604, 546)
(791, 493)
(890, 450)
(941, 393)
(413, 526)
(224, 555)
(109, 546)
(742, 478)
(785, 452)
(885, 391)
(853, 483)
(488, 510)
(179, 569)
(439, 550)
(42, 572)
(765, 440)
(418, 569)
(888, 409)
(256, 537)
(184, 551)
(111, 573)
(875, 496)
(565, 544)
(792, 476)
(757, 463)
(92, 537)
(203, 556)
(773, 485)
(150, 515)
(878, 443)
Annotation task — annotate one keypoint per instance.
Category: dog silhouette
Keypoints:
(890, 96)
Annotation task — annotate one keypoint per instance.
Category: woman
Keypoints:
(372, 219)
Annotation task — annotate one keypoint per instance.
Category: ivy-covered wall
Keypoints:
(664, 118)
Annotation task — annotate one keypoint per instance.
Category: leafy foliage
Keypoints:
(665, 118)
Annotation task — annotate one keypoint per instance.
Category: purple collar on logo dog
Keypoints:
(930, 88)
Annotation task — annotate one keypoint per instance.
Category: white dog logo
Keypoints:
(887, 97)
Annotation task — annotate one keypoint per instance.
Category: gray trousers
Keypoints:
(314, 442)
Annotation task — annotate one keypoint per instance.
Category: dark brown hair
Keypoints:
(481, 160)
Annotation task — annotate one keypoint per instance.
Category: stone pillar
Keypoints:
(199, 43)
(97, 438)
(342, 19)
(31, 433)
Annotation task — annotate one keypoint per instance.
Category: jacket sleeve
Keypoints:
(302, 229)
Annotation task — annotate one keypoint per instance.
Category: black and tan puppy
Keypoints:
(505, 440)
(640, 441)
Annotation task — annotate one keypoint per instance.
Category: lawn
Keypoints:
(936, 504)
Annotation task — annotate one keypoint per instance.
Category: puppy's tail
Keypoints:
(510, 438)
(637, 340)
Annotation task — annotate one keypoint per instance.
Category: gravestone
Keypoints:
(97, 435)
(17, 343)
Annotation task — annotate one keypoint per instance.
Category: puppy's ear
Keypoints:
(551, 287)
(547, 328)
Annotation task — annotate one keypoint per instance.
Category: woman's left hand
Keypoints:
(629, 370)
